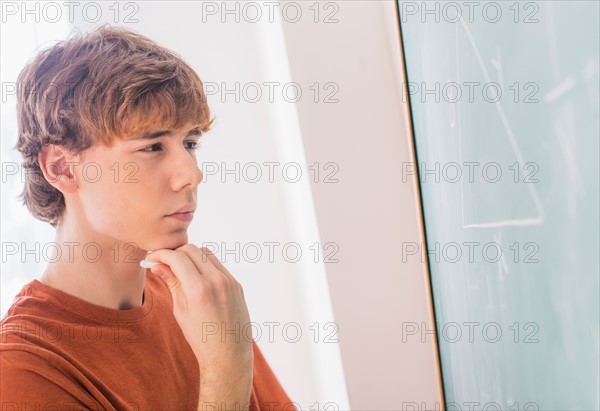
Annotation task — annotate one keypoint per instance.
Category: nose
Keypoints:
(185, 170)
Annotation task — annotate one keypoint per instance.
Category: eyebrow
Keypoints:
(150, 135)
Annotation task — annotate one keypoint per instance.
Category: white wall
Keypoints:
(372, 211)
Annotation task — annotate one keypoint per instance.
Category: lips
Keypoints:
(185, 217)
(188, 208)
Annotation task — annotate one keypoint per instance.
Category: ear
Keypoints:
(58, 167)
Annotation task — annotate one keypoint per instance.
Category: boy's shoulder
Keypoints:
(30, 367)
(26, 313)
(32, 311)
(28, 329)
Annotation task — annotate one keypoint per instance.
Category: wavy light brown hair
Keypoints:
(99, 87)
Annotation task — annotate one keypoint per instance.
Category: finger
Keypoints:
(169, 278)
(215, 261)
(176, 263)
(203, 265)
(201, 260)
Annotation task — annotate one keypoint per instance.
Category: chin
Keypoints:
(171, 242)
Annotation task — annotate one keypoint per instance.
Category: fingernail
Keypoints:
(147, 264)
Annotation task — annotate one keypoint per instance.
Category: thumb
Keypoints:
(167, 275)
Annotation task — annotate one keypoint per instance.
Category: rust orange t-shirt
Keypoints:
(59, 352)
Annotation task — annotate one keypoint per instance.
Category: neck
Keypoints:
(96, 268)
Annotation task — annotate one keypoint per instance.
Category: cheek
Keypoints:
(117, 206)
(119, 195)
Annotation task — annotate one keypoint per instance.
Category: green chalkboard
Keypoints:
(504, 101)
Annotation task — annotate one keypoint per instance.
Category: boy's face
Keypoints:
(128, 190)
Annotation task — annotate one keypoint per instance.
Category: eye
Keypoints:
(145, 149)
(194, 146)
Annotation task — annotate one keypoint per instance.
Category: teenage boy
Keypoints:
(109, 123)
